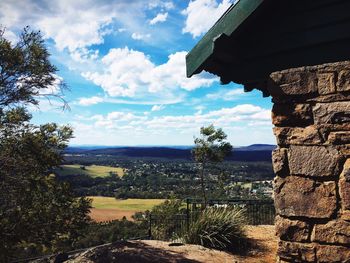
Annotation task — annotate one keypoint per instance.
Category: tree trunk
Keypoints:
(203, 186)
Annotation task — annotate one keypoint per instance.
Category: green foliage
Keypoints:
(36, 211)
(101, 233)
(165, 218)
(156, 178)
(210, 147)
(26, 71)
(219, 228)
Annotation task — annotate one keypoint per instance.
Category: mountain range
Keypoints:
(251, 153)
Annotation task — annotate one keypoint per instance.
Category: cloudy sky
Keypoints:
(124, 62)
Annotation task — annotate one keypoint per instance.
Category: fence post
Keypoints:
(188, 214)
(150, 227)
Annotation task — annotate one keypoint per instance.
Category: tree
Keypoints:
(210, 147)
(37, 213)
(25, 70)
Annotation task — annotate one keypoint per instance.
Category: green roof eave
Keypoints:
(226, 25)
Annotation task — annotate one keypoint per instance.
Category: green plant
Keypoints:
(210, 147)
(219, 228)
(38, 213)
(167, 218)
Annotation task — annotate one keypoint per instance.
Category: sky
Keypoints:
(124, 64)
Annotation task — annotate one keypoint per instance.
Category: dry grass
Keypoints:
(109, 208)
(103, 215)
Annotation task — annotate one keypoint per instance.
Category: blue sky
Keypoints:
(124, 62)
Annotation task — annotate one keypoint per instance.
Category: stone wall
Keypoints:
(311, 114)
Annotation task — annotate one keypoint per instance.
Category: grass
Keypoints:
(92, 170)
(101, 202)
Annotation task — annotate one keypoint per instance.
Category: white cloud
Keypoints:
(202, 14)
(227, 94)
(130, 73)
(199, 109)
(83, 55)
(225, 117)
(172, 74)
(138, 36)
(122, 72)
(10, 36)
(71, 24)
(87, 101)
(90, 101)
(159, 18)
(245, 124)
(157, 107)
(167, 5)
(117, 119)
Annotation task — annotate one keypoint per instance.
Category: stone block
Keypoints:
(334, 232)
(345, 215)
(344, 186)
(296, 252)
(324, 98)
(297, 136)
(345, 150)
(292, 115)
(303, 197)
(292, 82)
(280, 161)
(343, 83)
(291, 230)
(330, 254)
(341, 137)
(337, 127)
(317, 161)
(326, 83)
(334, 112)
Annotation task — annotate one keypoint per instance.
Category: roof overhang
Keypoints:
(225, 26)
(256, 37)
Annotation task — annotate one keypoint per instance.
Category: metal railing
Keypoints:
(165, 227)
(257, 211)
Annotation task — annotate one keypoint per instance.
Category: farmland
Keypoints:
(109, 208)
(91, 170)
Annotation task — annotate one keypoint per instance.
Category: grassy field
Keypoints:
(109, 208)
(246, 185)
(101, 202)
(92, 170)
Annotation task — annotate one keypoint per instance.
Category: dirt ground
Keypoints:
(147, 251)
(102, 215)
(263, 250)
(264, 245)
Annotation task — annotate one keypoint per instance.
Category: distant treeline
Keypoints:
(253, 153)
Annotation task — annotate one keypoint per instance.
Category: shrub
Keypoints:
(219, 228)
(167, 219)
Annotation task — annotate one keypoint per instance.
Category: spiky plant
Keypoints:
(219, 228)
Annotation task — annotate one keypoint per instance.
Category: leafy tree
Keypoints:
(210, 147)
(37, 213)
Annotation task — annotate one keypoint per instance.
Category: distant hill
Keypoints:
(256, 147)
(252, 153)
